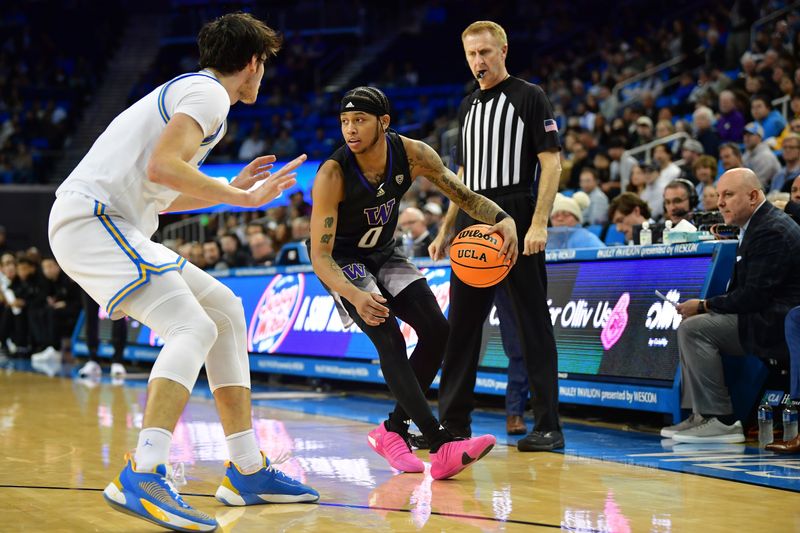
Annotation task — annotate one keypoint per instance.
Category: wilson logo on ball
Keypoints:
(475, 259)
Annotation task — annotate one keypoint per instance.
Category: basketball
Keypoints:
(473, 257)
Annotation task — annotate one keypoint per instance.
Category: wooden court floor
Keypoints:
(61, 442)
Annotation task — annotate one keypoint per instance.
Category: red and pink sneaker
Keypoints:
(393, 448)
(454, 456)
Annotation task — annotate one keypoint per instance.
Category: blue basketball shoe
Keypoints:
(268, 485)
(152, 497)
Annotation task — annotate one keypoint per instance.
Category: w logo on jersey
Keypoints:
(379, 216)
(354, 271)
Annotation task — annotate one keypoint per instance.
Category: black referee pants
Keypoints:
(526, 287)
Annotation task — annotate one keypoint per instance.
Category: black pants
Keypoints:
(119, 331)
(408, 378)
(527, 289)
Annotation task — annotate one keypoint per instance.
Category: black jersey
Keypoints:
(502, 130)
(368, 214)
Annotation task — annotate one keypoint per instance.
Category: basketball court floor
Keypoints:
(62, 441)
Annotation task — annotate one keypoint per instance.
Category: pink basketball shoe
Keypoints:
(454, 456)
(394, 449)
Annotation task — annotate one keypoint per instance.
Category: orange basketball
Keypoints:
(473, 257)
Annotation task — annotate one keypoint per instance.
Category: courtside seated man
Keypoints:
(105, 212)
(357, 194)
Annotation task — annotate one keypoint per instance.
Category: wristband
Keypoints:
(500, 216)
(701, 307)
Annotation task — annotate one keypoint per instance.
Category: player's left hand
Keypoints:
(508, 230)
(535, 240)
(256, 170)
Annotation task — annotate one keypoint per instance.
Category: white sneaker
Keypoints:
(711, 430)
(693, 420)
(118, 371)
(90, 370)
(49, 354)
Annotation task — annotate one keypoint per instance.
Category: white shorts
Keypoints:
(106, 255)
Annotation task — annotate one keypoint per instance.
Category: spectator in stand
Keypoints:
(63, 306)
(710, 198)
(730, 124)
(285, 146)
(212, 256)
(664, 128)
(782, 181)
(232, 253)
(703, 119)
(412, 222)
(433, 216)
(730, 156)
(638, 181)
(31, 292)
(758, 156)
(196, 255)
(566, 219)
(691, 151)
(301, 229)
(254, 145)
(626, 211)
(299, 206)
(795, 190)
(13, 321)
(680, 200)
(667, 171)
(793, 125)
(705, 170)
(644, 131)
(261, 250)
(769, 119)
(597, 210)
(3, 245)
(320, 146)
(580, 159)
(620, 169)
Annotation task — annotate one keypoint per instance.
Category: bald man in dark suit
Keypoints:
(747, 319)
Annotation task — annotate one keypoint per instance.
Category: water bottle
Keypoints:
(645, 234)
(665, 236)
(408, 244)
(789, 422)
(764, 425)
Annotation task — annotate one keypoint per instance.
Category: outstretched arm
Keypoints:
(424, 161)
(327, 192)
(168, 166)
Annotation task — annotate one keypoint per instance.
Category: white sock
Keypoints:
(152, 449)
(244, 451)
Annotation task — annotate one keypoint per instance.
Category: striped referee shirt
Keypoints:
(502, 131)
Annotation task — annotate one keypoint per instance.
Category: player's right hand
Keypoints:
(370, 307)
(437, 247)
(271, 185)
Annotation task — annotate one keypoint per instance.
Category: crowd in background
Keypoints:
(719, 96)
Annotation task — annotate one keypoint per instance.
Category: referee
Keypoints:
(503, 125)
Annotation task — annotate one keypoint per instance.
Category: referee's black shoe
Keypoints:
(540, 441)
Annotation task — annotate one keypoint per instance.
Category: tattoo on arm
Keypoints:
(335, 269)
(428, 163)
(326, 238)
(329, 222)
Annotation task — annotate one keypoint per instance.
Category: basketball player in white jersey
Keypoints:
(106, 211)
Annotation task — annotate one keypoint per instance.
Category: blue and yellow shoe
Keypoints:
(152, 497)
(268, 485)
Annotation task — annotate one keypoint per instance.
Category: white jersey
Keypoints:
(114, 171)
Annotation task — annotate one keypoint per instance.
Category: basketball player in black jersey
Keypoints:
(509, 151)
(356, 196)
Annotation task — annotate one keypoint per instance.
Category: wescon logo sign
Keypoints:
(275, 313)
